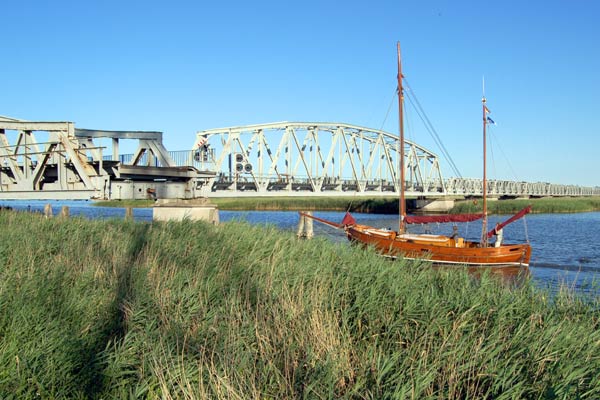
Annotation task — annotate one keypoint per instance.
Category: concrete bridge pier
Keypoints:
(431, 205)
(180, 209)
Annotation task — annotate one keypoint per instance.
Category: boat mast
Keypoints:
(484, 239)
(401, 228)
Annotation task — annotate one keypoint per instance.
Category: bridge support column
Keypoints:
(192, 209)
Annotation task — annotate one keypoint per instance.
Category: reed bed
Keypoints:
(383, 205)
(125, 203)
(354, 204)
(116, 309)
(367, 205)
(541, 206)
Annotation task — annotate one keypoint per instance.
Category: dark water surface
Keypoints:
(565, 247)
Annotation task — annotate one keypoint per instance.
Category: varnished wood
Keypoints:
(439, 248)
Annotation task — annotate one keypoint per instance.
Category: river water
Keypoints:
(565, 247)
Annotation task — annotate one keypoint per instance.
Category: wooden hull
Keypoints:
(440, 249)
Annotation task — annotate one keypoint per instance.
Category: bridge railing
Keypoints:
(474, 187)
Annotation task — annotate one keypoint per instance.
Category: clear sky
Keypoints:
(184, 66)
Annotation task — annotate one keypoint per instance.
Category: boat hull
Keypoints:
(440, 249)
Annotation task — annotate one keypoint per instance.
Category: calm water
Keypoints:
(565, 246)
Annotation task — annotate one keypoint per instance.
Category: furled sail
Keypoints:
(515, 217)
(427, 219)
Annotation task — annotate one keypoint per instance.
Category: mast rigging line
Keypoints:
(494, 139)
(429, 126)
(389, 109)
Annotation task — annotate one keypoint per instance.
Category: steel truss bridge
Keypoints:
(56, 160)
(333, 159)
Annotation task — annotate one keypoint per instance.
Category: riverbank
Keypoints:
(116, 309)
(383, 205)
(366, 205)
(546, 205)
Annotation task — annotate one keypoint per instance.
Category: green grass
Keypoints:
(116, 309)
(381, 205)
(377, 205)
(543, 205)
(357, 204)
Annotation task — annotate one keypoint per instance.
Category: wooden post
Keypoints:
(129, 213)
(308, 226)
(48, 211)
(305, 226)
(64, 212)
(300, 231)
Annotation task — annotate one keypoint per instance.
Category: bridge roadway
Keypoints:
(55, 160)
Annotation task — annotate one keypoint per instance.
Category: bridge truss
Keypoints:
(55, 160)
(311, 158)
(334, 159)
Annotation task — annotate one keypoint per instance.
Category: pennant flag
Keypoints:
(487, 110)
(490, 121)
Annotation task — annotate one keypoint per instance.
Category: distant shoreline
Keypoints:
(382, 205)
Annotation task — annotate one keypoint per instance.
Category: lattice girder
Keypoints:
(313, 157)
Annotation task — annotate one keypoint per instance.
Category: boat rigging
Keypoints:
(440, 249)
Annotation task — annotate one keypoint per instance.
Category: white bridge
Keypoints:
(55, 160)
(333, 159)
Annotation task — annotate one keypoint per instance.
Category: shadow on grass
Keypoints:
(91, 376)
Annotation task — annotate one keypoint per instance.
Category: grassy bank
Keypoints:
(539, 206)
(376, 205)
(382, 205)
(124, 203)
(115, 309)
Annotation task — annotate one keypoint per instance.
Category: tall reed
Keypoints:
(112, 309)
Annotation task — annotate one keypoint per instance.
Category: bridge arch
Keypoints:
(311, 158)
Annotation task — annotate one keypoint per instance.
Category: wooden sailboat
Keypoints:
(439, 249)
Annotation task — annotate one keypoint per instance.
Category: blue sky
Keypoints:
(184, 66)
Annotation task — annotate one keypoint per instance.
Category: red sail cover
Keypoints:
(348, 219)
(427, 219)
(515, 217)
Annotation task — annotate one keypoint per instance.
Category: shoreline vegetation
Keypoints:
(122, 309)
(383, 205)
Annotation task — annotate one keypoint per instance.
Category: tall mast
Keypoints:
(401, 227)
(484, 240)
